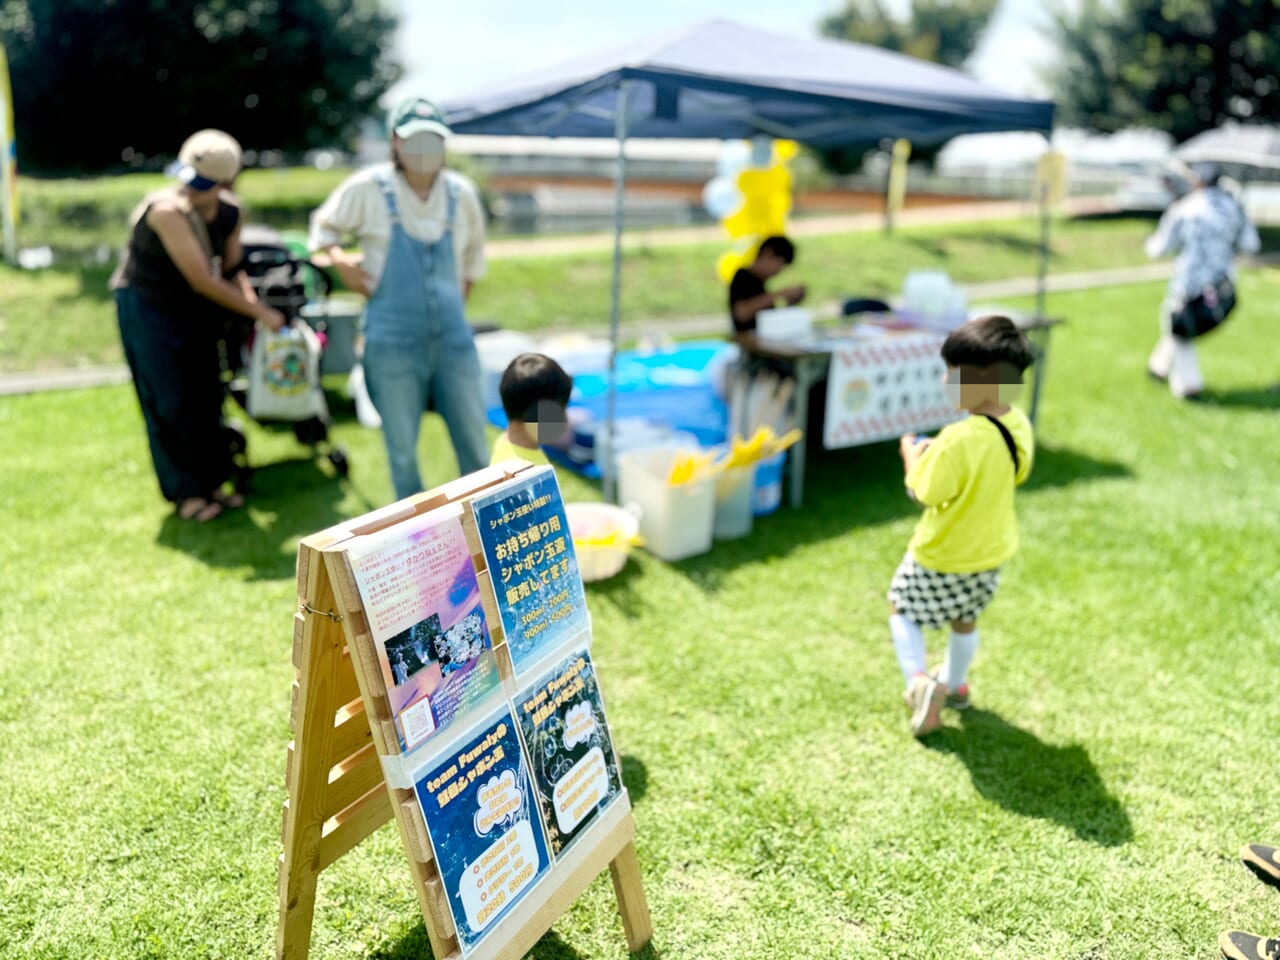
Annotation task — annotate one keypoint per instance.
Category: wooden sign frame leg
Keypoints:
(624, 869)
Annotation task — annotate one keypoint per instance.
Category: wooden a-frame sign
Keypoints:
(337, 794)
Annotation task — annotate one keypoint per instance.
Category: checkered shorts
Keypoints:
(934, 599)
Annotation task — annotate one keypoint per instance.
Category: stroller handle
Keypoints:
(259, 258)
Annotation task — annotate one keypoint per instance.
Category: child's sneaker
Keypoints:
(925, 697)
(1236, 945)
(957, 699)
(1264, 861)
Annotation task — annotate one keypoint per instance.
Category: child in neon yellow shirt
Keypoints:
(535, 392)
(964, 478)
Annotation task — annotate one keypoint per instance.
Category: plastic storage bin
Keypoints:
(768, 485)
(735, 498)
(675, 521)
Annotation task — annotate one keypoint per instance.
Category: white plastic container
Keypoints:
(636, 434)
(784, 323)
(735, 496)
(675, 521)
(599, 520)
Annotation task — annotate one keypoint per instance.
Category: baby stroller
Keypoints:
(277, 277)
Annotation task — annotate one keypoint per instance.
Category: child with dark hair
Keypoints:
(747, 294)
(535, 392)
(964, 478)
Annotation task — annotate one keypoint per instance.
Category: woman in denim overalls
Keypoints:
(417, 344)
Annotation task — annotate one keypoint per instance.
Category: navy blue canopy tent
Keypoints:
(722, 80)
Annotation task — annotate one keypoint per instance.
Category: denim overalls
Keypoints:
(418, 347)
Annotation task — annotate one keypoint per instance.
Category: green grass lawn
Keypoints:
(1121, 748)
(64, 316)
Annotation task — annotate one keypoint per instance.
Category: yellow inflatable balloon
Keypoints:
(771, 180)
(766, 203)
(784, 150)
(734, 260)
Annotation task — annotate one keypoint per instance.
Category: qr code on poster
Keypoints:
(417, 723)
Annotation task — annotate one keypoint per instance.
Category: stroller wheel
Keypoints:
(338, 457)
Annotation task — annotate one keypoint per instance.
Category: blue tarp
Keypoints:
(671, 388)
(722, 80)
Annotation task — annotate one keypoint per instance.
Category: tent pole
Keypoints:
(620, 186)
(1043, 279)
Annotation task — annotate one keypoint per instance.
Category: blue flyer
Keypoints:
(575, 770)
(528, 551)
(478, 804)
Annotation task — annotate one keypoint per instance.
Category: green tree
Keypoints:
(942, 31)
(99, 82)
(1182, 66)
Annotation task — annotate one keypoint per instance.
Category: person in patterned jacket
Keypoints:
(1205, 228)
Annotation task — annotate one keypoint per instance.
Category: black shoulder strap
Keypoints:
(1008, 442)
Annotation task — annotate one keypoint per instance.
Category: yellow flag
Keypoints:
(897, 193)
(1051, 177)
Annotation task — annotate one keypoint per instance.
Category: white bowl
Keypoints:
(587, 520)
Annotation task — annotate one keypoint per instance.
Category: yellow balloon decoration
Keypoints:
(734, 260)
(766, 202)
(785, 150)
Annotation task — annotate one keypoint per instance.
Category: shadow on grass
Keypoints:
(941, 246)
(287, 499)
(623, 591)
(861, 487)
(1261, 398)
(1026, 776)
(415, 945)
(635, 777)
(1059, 467)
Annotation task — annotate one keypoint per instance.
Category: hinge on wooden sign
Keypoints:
(335, 617)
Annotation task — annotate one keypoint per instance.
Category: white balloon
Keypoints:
(735, 157)
(721, 197)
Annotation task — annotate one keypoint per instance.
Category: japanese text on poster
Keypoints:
(477, 804)
(529, 552)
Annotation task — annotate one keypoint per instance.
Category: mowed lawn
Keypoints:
(560, 292)
(1122, 745)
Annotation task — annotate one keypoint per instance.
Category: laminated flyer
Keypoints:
(477, 801)
(575, 770)
(528, 550)
(422, 600)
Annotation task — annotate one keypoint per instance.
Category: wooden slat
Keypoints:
(419, 844)
(344, 831)
(489, 601)
(474, 544)
(439, 901)
(350, 734)
(351, 779)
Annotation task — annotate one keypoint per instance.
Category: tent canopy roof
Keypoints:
(722, 80)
